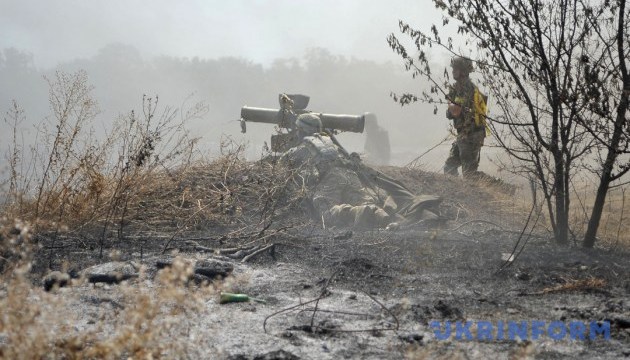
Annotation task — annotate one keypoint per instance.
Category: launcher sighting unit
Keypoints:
(290, 107)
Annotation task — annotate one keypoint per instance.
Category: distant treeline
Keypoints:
(121, 76)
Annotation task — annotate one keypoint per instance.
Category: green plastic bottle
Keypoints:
(230, 298)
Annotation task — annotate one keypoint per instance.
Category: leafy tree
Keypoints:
(608, 87)
(556, 70)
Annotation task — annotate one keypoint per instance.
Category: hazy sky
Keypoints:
(60, 30)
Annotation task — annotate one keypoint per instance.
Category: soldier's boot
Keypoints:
(469, 171)
(451, 170)
(453, 161)
(470, 161)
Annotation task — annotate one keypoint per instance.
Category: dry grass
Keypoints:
(146, 319)
(575, 285)
(144, 174)
(70, 178)
(143, 178)
(468, 199)
(614, 227)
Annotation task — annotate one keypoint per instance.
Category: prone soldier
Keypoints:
(344, 191)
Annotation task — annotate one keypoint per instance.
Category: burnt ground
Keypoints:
(380, 290)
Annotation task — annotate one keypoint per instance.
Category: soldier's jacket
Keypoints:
(317, 151)
(471, 120)
(343, 198)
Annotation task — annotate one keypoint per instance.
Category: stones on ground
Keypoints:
(204, 270)
(411, 338)
(412, 312)
(622, 323)
(448, 311)
(56, 279)
(111, 273)
(523, 276)
(238, 357)
(164, 263)
(96, 300)
(508, 257)
(59, 279)
(212, 269)
(273, 355)
(343, 236)
(198, 279)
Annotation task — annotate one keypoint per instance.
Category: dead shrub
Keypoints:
(143, 324)
(71, 179)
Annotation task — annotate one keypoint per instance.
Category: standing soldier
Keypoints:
(467, 109)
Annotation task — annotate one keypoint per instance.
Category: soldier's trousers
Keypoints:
(341, 199)
(465, 152)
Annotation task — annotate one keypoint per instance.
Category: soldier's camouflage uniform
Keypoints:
(343, 195)
(465, 150)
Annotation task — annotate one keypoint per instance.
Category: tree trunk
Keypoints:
(606, 178)
(562, 215)
(613, 147)
(598, 207)
(562, 221)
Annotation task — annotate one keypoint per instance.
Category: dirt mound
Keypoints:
(355, 294)
(482, 197)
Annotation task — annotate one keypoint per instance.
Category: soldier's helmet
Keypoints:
(462, 63)
(308, 123)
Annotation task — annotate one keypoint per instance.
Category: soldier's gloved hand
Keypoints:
(454, 110)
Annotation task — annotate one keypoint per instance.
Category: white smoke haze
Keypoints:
(261, 31)
(226, 54)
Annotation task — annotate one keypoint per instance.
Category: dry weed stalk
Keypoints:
(144, 323)
(574, 285)
(613, 214)
(74, 180)
(151, 319)
(16, 246)
(591, 283)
